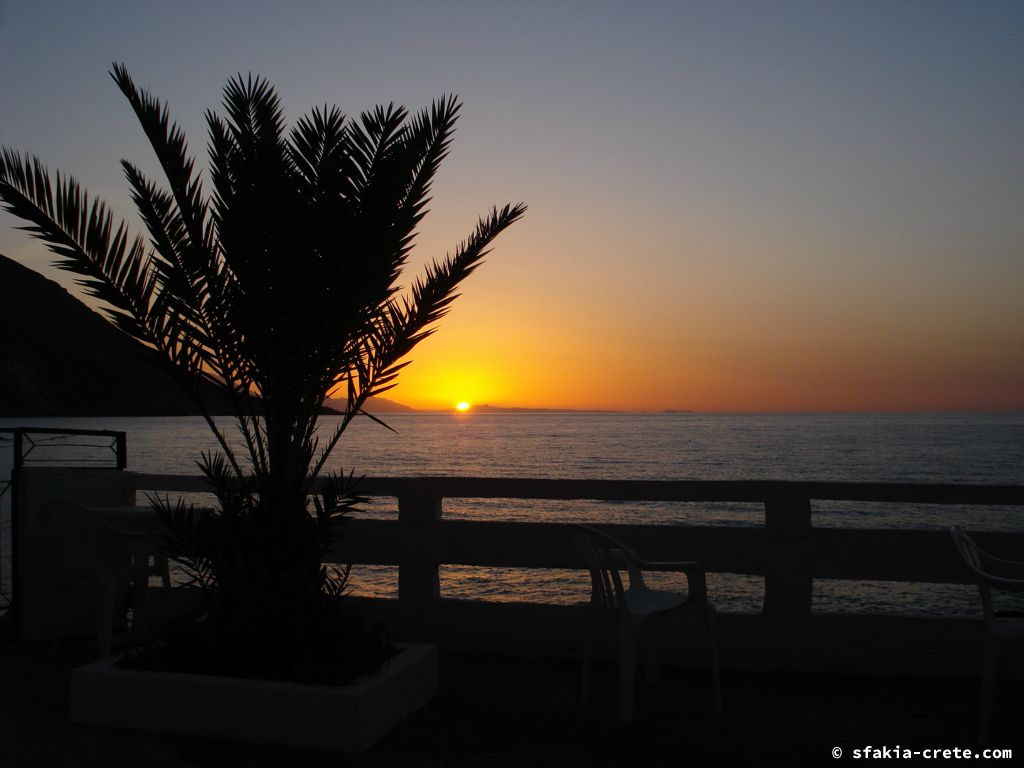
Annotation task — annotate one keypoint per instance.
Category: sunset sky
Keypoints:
(732, 206)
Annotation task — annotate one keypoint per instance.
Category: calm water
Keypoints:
(972, 448)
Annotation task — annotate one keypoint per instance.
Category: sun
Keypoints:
(462, 407)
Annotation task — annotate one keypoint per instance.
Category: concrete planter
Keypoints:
(348, 718)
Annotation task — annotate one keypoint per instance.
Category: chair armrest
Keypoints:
(697, 588)
(1008, 569)
(696, 576)
(1004, 584)
(985, 565)
(118, 533)
(683, 566)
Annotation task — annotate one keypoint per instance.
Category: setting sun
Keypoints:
(462, 407)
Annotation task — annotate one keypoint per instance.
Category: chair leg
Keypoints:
(106, 597)
(142, 595)
(627, 669)
(588, 655)
(716, 683)
(651, 656)
(989, 670)
(139, 586)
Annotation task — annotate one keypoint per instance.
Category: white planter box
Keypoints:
(349, 718)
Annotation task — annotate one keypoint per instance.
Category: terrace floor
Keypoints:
(494, 711)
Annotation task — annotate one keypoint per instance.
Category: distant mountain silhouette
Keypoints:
(485, 408)
(59, 358)
(373, 406)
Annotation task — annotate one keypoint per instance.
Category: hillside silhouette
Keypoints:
(59, 358)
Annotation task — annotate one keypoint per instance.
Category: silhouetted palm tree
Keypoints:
(275, 289)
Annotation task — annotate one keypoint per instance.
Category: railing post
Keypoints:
(418, 582)
(19, 447)
(121, 449)
(788, 579)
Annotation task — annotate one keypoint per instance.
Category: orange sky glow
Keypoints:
(792, 207)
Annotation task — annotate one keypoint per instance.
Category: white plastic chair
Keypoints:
(636, 607)
(991, 574)
(95, 554)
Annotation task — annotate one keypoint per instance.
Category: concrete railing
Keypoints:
(787, 550)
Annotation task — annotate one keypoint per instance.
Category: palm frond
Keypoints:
(254, 117)
(184, 289)
(185, 539)
(168, 141)
(234, 493)
(338, 497)
(433, 293)
(318, 150)
(370, 143)
(429, 138)
(113, 267)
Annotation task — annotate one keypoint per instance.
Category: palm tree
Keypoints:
(278, 288)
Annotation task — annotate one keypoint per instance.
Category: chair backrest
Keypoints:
(87, 548)
(983, 565)
(604, 556)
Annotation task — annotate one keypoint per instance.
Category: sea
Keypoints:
(969, 448)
